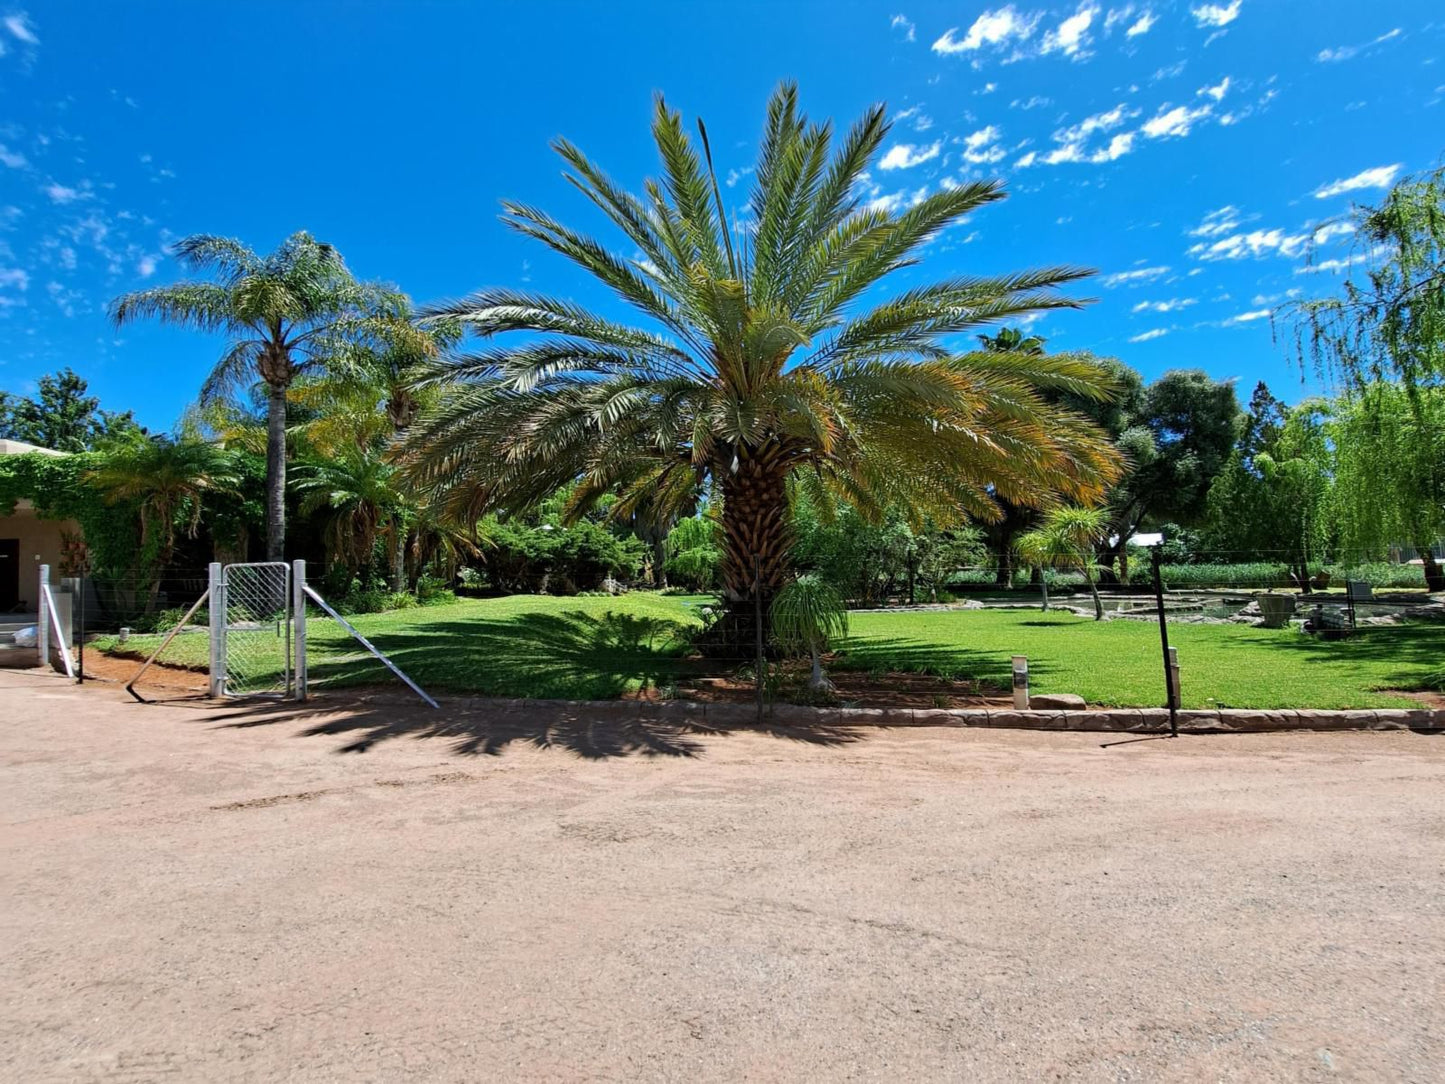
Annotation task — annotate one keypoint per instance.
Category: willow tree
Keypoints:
(769, 357)
(1387, 323)
(284, 313)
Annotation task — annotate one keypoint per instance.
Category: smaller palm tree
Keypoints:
(359, 498)
(807, 615)
(168, 481)
(1067, 539)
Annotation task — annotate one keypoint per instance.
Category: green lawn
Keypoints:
(544, 647)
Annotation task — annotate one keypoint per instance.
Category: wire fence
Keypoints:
(948, 641)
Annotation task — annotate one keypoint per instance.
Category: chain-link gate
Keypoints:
(256, 631)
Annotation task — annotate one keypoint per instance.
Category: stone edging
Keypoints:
(1147, 720)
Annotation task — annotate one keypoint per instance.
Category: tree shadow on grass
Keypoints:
(571, 655)
(597, 731)
(1417, 647)
(906, 655)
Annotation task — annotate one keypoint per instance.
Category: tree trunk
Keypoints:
(276, 473)
(1098, 602)
(659, 562)
(755, 542)
(1434, 574)
(818, 681)
(398, 564)
(1044, 583)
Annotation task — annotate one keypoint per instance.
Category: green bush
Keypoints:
(1380, 574)
(556, 559)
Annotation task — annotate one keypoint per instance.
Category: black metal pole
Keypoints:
(1164, 643)
(758, 623)
(81, 679)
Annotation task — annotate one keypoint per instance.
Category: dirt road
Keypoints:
(193, 893)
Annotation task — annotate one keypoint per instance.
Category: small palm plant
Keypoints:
(1067, 539)
(807, 616)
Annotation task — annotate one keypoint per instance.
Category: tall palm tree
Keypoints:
(285, 313)
(1067, 539)
(765, 362)
(168, 482)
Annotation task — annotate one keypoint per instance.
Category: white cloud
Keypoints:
(907, 155)
(59, 193)
(1145, 336)
(981, 146)
(1026, 160)
(895, 201)
(1218, 223)
(1139, 274)
(1216, 14)
(1331, 230)
(902, 22)
(921, 120)
(1072, 35)
(992, 28)
(146, 267)
(1174, 122)
(1174, 304)
(19, 26)
(14, 276)
(1215, 92)
(1247, 317)
(1345, 52)
(1119, 146)
(1036, 102)
(1379, 177)
(67, 258)
(12, 159)
(1256, 243)
(1146, 21)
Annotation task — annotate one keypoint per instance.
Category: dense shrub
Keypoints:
(555, 559)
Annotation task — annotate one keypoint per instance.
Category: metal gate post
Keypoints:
(42, 622)
(298, 625)
(218, 630)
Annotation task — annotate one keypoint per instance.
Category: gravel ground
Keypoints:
(374, 893)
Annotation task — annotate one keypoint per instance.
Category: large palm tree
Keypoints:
(767, 360)
(285, 313)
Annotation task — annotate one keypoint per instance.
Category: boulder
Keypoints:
(1057, 702)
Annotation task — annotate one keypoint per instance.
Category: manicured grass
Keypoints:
(1118, 663)
(583, 648)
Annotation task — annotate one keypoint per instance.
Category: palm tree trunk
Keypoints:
(1044, 583)
(276, 473)
(755, 544)
(1098, 602)
(398, 564)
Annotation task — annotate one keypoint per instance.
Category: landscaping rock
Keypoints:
(1057, 702)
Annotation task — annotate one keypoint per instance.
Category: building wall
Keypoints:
(39, 545)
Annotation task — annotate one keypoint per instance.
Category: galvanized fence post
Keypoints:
(298, 625)
(42, 623)
(217, 615)
(1171, 693)
(758, 624)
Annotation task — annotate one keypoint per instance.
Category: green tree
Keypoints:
(168, 481)
(1067, 539)
(1389, 471)
(692, 551)
(806, 616)
(761, 362)
(285, 313)
(1176, 443)
(62, 417)
(357, 494)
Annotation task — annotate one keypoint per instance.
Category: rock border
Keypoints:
(1104, 720)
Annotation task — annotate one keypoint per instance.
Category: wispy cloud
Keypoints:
(1345, 52)
(1256, 243)
(1379, 177)
(1144, 24)
(903, 23)
(1174, 304)
(907, 155)
(60, 193)
(12, 159)
(1071, 37)
(1216, 92)
(982, 146)
(20, 28)
(1247, 317)
(1176, 122)
(1137, 275)
(1218, 223)
(14, 277)
(1145, 336)
(1216, 15)
(992, 28)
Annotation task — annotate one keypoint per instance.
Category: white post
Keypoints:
(298, 624)
(1021, 682)
(1174, 698)
(42, 624)
(218, 630)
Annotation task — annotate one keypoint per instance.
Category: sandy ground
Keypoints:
(199, 893)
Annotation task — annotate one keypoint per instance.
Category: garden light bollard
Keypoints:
(1021, 682)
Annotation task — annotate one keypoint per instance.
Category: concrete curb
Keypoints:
(1108, 720)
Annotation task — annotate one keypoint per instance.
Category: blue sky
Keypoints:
(1188, 151)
